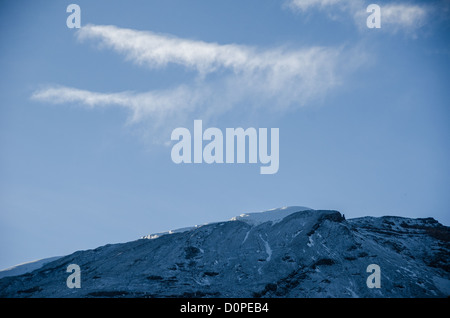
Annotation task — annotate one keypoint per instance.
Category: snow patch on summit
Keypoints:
(274, 215)
(181, 230)
(254, 218)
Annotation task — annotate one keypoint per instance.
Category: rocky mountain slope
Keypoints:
(289, 252)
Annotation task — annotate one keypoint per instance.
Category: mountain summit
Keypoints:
(287, 252)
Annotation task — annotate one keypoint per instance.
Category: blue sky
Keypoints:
(86, 115)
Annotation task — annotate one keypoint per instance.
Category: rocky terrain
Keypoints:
(287, 252)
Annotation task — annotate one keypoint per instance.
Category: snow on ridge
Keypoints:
(181, 230)
(254, 218)
(273, 215)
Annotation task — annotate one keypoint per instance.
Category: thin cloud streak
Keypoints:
(157, 51)
(156, 104)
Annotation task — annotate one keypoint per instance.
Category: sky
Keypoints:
(86, 114)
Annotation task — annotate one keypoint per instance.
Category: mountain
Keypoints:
(287, 252)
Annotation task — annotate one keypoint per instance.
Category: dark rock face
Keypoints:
(309, 253)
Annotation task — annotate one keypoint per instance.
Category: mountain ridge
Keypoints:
(306, 253)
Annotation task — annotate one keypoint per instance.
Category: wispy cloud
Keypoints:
(395, 16)
(405, 16)
(276, 66)
(273, 79)
(157, 50)
(304, 5)
(155, 104)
